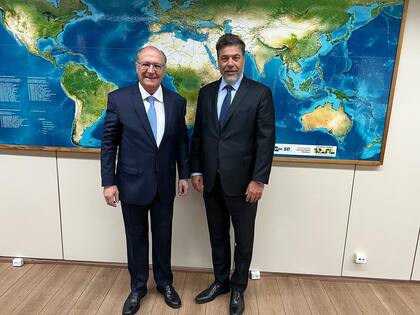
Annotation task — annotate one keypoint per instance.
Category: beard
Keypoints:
(232, 77)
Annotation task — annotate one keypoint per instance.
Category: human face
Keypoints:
(231, 63)
(150, 67)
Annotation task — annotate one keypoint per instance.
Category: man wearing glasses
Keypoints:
(145, 124)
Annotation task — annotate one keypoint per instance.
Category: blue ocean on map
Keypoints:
(359, 67)
(365, 64)
(56, 114)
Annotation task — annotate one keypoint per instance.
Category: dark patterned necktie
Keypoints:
(225, 106)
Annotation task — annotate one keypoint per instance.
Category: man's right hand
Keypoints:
(111, 195)
(197, 182)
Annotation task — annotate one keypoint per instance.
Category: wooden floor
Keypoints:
(75, 289)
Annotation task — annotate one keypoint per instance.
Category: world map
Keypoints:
(328, 63)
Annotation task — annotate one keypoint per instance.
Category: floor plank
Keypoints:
(368, 302)
(160, 306)
(114, 300)
(23, 286)
(4, 266)
(318, 301)
(45, 290)
(11, 275)
(148, 302)
(292, 296)
(91, 299)
(391, 300)
(341, 298)
(194, 284)
(410, 295)
(72, 289)
(268, 296)
(219, 305)
(251, 304)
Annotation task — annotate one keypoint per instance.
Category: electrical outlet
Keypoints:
(17, 262)
(255, 274)
(360, 258)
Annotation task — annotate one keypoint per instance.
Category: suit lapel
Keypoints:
(214, 93)
(240, 94)
(138, 105)
(169, 110)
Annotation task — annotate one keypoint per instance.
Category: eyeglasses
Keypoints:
(147, 65)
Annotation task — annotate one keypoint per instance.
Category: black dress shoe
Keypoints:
(132, 303)
(211, 293)
(172, 298)
(237, 305)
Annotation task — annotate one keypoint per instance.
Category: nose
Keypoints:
(151, 69)
(230, 62)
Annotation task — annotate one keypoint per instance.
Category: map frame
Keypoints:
(276, 159)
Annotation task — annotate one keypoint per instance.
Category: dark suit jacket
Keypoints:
(243, 150)
(143, 169)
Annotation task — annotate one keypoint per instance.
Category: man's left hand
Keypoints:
(182, 187)
(254, 191)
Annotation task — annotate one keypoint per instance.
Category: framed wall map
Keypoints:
(331, 66)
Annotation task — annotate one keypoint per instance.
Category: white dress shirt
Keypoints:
(160, 110)
(222, 93)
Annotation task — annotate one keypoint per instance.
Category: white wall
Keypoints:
(91, 230)
(311, 220)
(416, 266)
(385, 211)
(302, 219)
(29, 209)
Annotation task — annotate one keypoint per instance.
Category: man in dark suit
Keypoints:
(231, 156)
(145, 124)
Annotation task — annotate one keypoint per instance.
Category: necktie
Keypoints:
(225, 105)
(151, 114)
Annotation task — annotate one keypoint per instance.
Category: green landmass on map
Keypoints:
(36, 19)
(328, 15)
(306, 86)
(340, 95)
(377, 140)
(187, 82)
(89, 92)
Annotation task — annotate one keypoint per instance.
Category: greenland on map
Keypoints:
(330, 65)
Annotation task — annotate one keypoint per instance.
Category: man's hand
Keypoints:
(111, 195)
(197, 182)
(182, 187)
(254, 191)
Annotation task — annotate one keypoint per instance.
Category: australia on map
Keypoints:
(329, 64)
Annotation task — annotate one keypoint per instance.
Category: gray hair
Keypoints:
(142, 48)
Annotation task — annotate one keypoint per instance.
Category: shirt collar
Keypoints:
(158, 95)
(235, 86)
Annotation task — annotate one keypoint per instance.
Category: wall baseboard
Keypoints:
(5, 259)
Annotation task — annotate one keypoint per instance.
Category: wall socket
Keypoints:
(360, 258)
(17, 262)
(254, 274)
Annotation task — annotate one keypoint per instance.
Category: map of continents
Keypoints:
(328, 63)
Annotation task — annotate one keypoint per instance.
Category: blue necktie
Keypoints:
(151, 114)
(225, 105)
